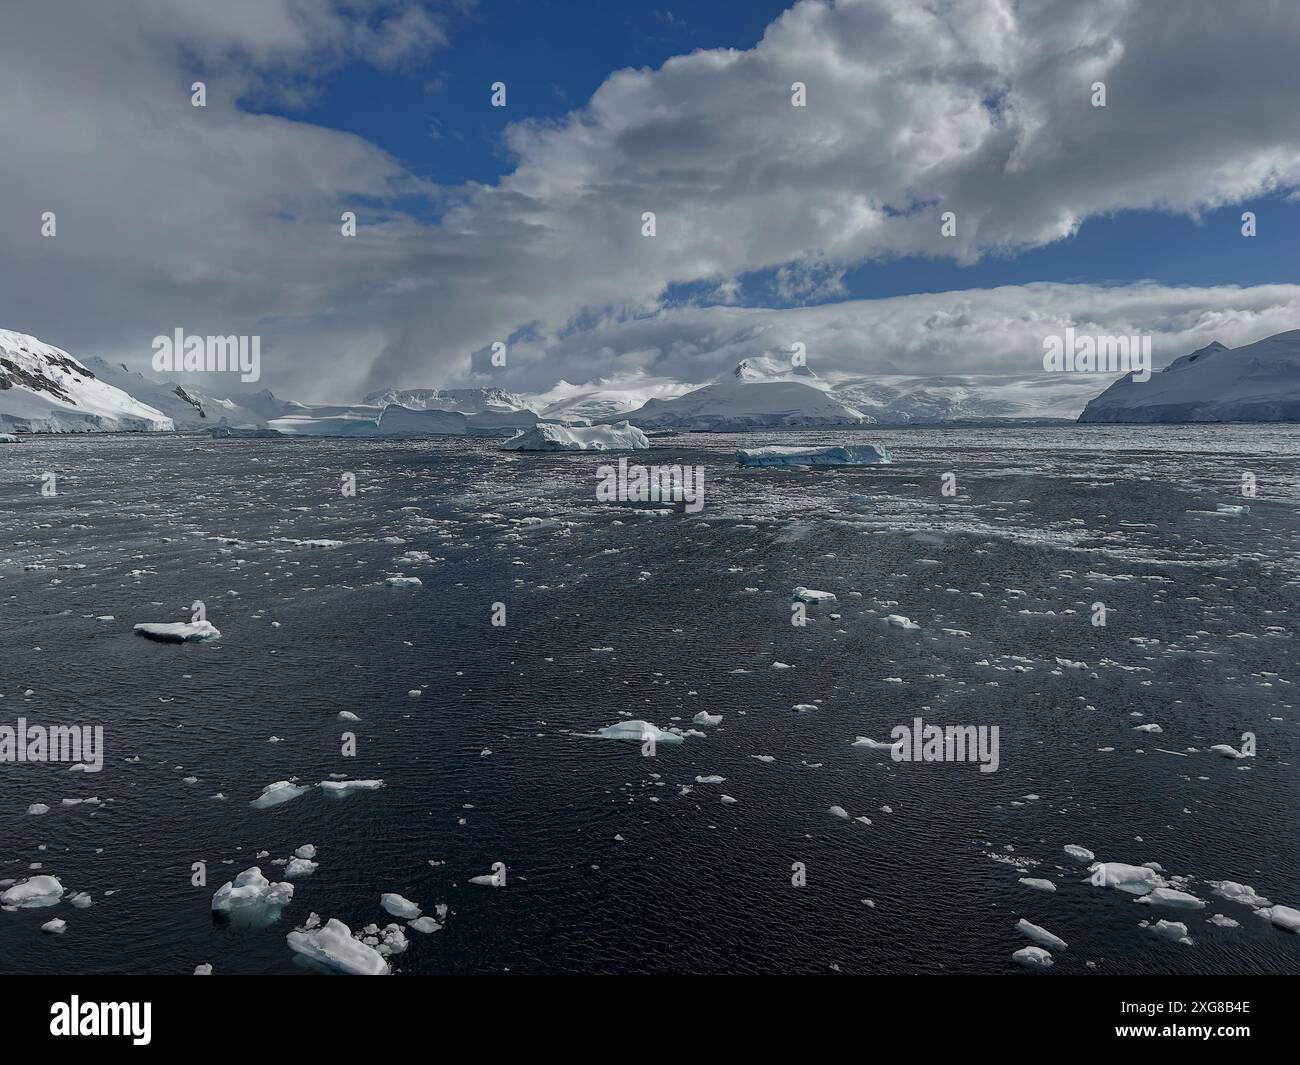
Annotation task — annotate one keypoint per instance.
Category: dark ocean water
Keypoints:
(616, 611)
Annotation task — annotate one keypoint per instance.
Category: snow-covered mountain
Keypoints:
(760, 393)
(188, 407)
(1258, 382)
(43, 389)
(908, 400)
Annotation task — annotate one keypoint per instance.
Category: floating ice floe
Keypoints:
(203, 969)
(34, 892)
(56, 926)
(705, 718)
(1222, 921)
(550, 436)
(425, 925)
(400, 581)
(811, 595)
(1228, 751)
(1284, 917)
(1133, 879)
(179, 631)
(844, 455)
(333, 946)
(275, 794)
(1243, 893)
(637, 731)
(38, 808)
(299, 867)
(252, 900)
(1232, 510)
(1037, 883)
(341, 789)
(1081, 853)
(1032, 958)
(900, 622)
(399, 906)
(1167, 896)
(838, 811)
(875, 745)
(1039, 935)
(1174, 931)
(1153, 728)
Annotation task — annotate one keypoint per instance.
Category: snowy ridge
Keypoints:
(1258, 382)
(43, 389)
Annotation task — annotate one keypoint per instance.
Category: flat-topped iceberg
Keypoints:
(638, 732)
(549, 436)
(840, 455)
(179, 631)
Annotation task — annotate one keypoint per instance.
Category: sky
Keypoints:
(523, 223)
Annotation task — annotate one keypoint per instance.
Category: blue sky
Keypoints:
(434, 116)
(775, 223)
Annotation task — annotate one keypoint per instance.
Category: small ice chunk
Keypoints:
(1167, 896)
(705, 718)
(297, 867)
(1134, 879)
(1080, 853)
(277, 793)
(1222, 921)
(179, 631)
(1037, 883)
(1174, 931)
(425, 925)
(56, 926)
(399, 906)
(341, 789)
(37, 808)
(400, 581)
(811, 595)
(900, 622)
(838, 811)
(205, 969)
(638, 732)
(1039, 935)
(1032, 958)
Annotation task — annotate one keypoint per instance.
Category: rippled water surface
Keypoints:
(615, 861)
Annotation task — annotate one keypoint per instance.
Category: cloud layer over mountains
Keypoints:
(219, 220)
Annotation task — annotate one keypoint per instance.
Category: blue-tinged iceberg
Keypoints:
(840, 455)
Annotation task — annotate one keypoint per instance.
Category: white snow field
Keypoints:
(1258, 382)
(548, 436)
(43, 389)
(841, 455)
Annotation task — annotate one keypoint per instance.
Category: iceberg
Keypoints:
(333, 946)
(1285, 917)
(36, 891)
(251, 900)
(840, 455)
(179, 631)
(638, 732)
(550, 436)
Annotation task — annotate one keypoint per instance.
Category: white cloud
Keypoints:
(224, 221)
